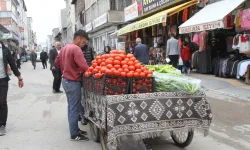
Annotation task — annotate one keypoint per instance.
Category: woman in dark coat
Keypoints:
(107, 50)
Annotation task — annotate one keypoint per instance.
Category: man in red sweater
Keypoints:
(72, 63)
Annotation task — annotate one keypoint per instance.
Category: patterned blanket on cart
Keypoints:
(145, 114)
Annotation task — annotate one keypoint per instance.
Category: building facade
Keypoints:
(70, 20)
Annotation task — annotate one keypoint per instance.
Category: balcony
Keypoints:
(8, 14)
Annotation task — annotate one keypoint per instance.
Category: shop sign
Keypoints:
(202, 27)
(149, 5)
(89, 3)
(100, 20)
(88, 27)
(131, 12)
(143, 24)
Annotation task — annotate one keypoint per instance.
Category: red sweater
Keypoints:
(185, 53)
(72, 62)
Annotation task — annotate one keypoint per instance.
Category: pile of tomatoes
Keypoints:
(117, 63)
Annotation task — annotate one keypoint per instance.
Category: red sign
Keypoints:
(202, 27)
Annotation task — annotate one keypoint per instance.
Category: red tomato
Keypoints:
(111, 58)
(99, 61)
(109, 72)
(118, 58)
(133, 59)
(117, 73)
(143, 69)
(150, 72)
(98, 75)
(142, 74)
(108, 61)
(131, 68)
(136, 74)
(137, 61)
(87, 74)
(138, 70)
(130, 75)
(130, 56)
(117, 62)
(127, 59)
(126, 70)
(117, 66)
(123, 52)
(94, 61)
(125, 66)
(113, 69)
(122, 56)
(120, 69)
(90, 69)
(98, 57)
(109, 66)
(123, 62)
(103, 64)
(98, 67)
(114, 52)
(131, 63)
(94, 65)
(123, 74)
(138, 66)
(150, 75)
(146, 72)
(103, 70)
(95, 71)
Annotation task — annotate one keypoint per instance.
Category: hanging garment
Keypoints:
(224, 67)
(196, 39)
(185, 15)
(243, 68)
(237, 19)
(238, 68)
(234, 69)
(203, 37)
(244, 44)
(245, 19)
(228, 22)
(236, 42)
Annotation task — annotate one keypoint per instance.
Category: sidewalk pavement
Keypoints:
(224, 86)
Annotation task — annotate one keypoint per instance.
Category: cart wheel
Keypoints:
(103, 140)
(182, 138)
(94, 131)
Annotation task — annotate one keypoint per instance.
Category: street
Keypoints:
(38, 119)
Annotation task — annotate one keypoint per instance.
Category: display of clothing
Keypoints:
(196, 39)
(203, 38)
(243, 68)
(239, 69)
(244, 43)
(201, 61)
(236, 42)
(185, 15)
(245, 19)
(237, 19)
(228, 22)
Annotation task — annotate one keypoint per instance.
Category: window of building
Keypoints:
(112, 4)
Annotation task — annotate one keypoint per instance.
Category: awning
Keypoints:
(211, 17)
(155, 19)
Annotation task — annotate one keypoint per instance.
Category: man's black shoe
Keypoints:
(79, 138)
(59, 91)
(54, 91)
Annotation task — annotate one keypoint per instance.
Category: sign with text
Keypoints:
(131, 12)
(88, 27)
(202, 27)
(100, 20)
(89, 3)
(149, 5)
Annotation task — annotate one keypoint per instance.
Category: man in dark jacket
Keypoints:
(44, 58)
(6, 59)
(33, 57)
(56, 71)
(88, 54)
(141, 52)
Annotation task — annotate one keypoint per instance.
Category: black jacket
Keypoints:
(8, 59)
(33, 56)
(141, 53)
(88, 54)
(52, 57)
(43, 56)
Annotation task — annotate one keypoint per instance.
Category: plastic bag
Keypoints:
(180, 62)
(170, 83)
(168, 60)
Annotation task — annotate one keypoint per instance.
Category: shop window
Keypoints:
(112, 4)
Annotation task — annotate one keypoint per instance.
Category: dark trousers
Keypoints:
(18, 63)
(34, 64)
(44, 62)
(174, 60)
(185, 66)
(3, 101)
(57, 79)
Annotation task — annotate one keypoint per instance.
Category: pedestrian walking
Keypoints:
(173, 51)
(185, 55)
(141, 52)
(6, 59)
(33, 57)
(44, 58)
(72, 62)
(56, 71)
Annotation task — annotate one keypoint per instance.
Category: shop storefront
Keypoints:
(221, 31)
(155, 29)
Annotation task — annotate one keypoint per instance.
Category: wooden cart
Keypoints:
(146, 116)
